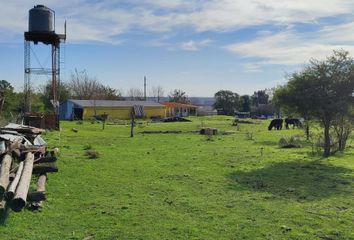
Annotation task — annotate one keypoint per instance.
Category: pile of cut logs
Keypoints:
(23, 153)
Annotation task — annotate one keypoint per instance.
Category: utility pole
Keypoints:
(145, 88)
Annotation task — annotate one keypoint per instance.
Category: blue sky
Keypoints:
(199, 46)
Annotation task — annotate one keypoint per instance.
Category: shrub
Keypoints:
(290, 142)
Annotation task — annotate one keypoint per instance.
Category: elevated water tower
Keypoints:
(41, 29)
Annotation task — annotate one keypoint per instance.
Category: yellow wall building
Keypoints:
(86, 109)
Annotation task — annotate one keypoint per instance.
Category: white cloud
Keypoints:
(195, 45)
(110, 18)
(290, 47)
(341, 33)
(251, 67)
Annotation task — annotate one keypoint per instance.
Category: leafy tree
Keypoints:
(179, 96)
(264, 109)
(47, 94)
(6, 95)
(227, 101)
(293, 102)
(245, 101)
(324, 92)
(109, 93)
(260, 97)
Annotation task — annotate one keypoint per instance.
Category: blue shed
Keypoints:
(70, 110)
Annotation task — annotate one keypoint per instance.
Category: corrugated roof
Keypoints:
(113, 103)
(178, 105)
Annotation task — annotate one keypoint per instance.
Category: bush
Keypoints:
(290, 142)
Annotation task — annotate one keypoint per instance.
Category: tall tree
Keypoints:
(6, 91)
(47, 94)
(135, 94)
(179, 96)
(84, 87)
(109, 93)
(323, 91)
(157, 92)
(260, 97)
(245, 102)
(227, 101)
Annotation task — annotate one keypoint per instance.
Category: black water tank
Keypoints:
(41, 19)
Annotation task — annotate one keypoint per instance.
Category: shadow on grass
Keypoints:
(267, 143)
(300, 180)
(4, 213)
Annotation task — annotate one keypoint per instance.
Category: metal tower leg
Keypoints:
(27, 76)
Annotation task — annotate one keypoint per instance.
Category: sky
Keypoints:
(199, 46)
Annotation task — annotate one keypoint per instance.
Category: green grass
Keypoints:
(182, 186)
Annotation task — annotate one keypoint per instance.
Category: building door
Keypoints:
(77, 113)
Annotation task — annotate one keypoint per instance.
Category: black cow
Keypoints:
(294, 121)
(276, 123)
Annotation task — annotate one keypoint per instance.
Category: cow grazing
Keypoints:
(293, 121)
(276, 123)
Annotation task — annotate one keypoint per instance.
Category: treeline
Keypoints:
(80, 86)
(323, 93)
(258, 104)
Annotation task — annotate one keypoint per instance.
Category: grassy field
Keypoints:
(239, 185)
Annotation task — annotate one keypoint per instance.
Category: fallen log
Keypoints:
(10, 193)
(35, 205)
(19, 201)
(4, 173)
(41, 168)
(41, 182)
